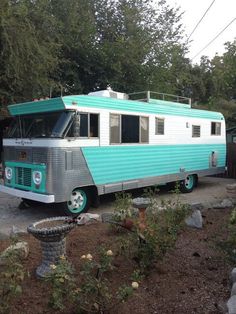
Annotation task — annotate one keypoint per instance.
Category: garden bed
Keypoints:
(192, 277)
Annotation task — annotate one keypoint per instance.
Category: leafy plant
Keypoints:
(94, 294)
(163, 223)
(62, 283)
(12, 274)
(123, 206)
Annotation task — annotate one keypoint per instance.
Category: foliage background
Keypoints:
(55, 47)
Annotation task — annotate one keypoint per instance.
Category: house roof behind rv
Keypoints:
(153, 106)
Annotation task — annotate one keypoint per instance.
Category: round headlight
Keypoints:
(8, 173)
(37, 177)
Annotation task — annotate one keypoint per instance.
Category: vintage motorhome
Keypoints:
(70, 150)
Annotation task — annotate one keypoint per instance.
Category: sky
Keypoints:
(221, 13)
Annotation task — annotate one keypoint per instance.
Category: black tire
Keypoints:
(79, 202)
(187, 185)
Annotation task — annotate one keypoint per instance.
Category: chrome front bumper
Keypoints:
(29, 195)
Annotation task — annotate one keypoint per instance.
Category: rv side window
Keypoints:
(85, 125)
(83, 130)
(128, 129)
(160, 126)
(215, 128)
(196, 131)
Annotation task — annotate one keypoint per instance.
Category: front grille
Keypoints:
(23, 176)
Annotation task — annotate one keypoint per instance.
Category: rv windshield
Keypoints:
(53, 124)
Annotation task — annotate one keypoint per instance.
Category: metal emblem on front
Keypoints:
(22, 155)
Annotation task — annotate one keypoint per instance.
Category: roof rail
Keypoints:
(147, 95)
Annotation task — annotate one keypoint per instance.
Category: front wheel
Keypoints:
(79, 202)
(187, 185)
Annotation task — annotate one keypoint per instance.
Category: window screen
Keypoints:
(144, 129)
(160, 126)
(114, 128)
(196, 130)
(215, 128)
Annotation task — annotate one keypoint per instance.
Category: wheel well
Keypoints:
(196, 179)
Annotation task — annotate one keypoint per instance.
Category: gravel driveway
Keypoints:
(210, 190)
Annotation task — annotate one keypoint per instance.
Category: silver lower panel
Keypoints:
(158, 180)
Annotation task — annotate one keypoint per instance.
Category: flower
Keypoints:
(77, 290)
(66, 277)
(53, 266)
(62, 257)
(109, 253)
(135, 285)
(83, 256)
(89, 257)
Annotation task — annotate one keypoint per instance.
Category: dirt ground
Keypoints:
(210, 190)
(192, 278)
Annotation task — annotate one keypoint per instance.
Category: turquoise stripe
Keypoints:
(48, 105)
(136, 106)
(120, 163)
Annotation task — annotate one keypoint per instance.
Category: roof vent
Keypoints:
(109, 93)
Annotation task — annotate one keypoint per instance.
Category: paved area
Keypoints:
(210, 190)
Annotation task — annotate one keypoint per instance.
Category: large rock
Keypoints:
(195, 220)
(233, 290)
(196, 206)
(233, 276)
(231, 304)
(21, 249)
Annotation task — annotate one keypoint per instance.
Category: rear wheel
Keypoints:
(187, 185)
(79, 202)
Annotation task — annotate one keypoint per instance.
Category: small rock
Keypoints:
(227, 203)
(231, 187)
(17, 231)
(194, 220)
(231, 305)
(20, 248)
(107, 217)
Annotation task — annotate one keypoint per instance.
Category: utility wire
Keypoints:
(215, 38)
(200, 20)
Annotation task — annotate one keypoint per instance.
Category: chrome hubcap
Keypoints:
(76, 200)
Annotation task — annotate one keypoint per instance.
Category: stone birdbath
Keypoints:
(51, 233)
(141, 203)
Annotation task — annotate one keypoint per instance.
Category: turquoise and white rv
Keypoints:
(70, 150)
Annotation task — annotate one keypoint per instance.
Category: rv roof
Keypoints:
(154, 106)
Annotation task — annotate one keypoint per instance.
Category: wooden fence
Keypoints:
(231, 161)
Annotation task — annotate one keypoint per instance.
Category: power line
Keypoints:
(200, 20)
(214, 38)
